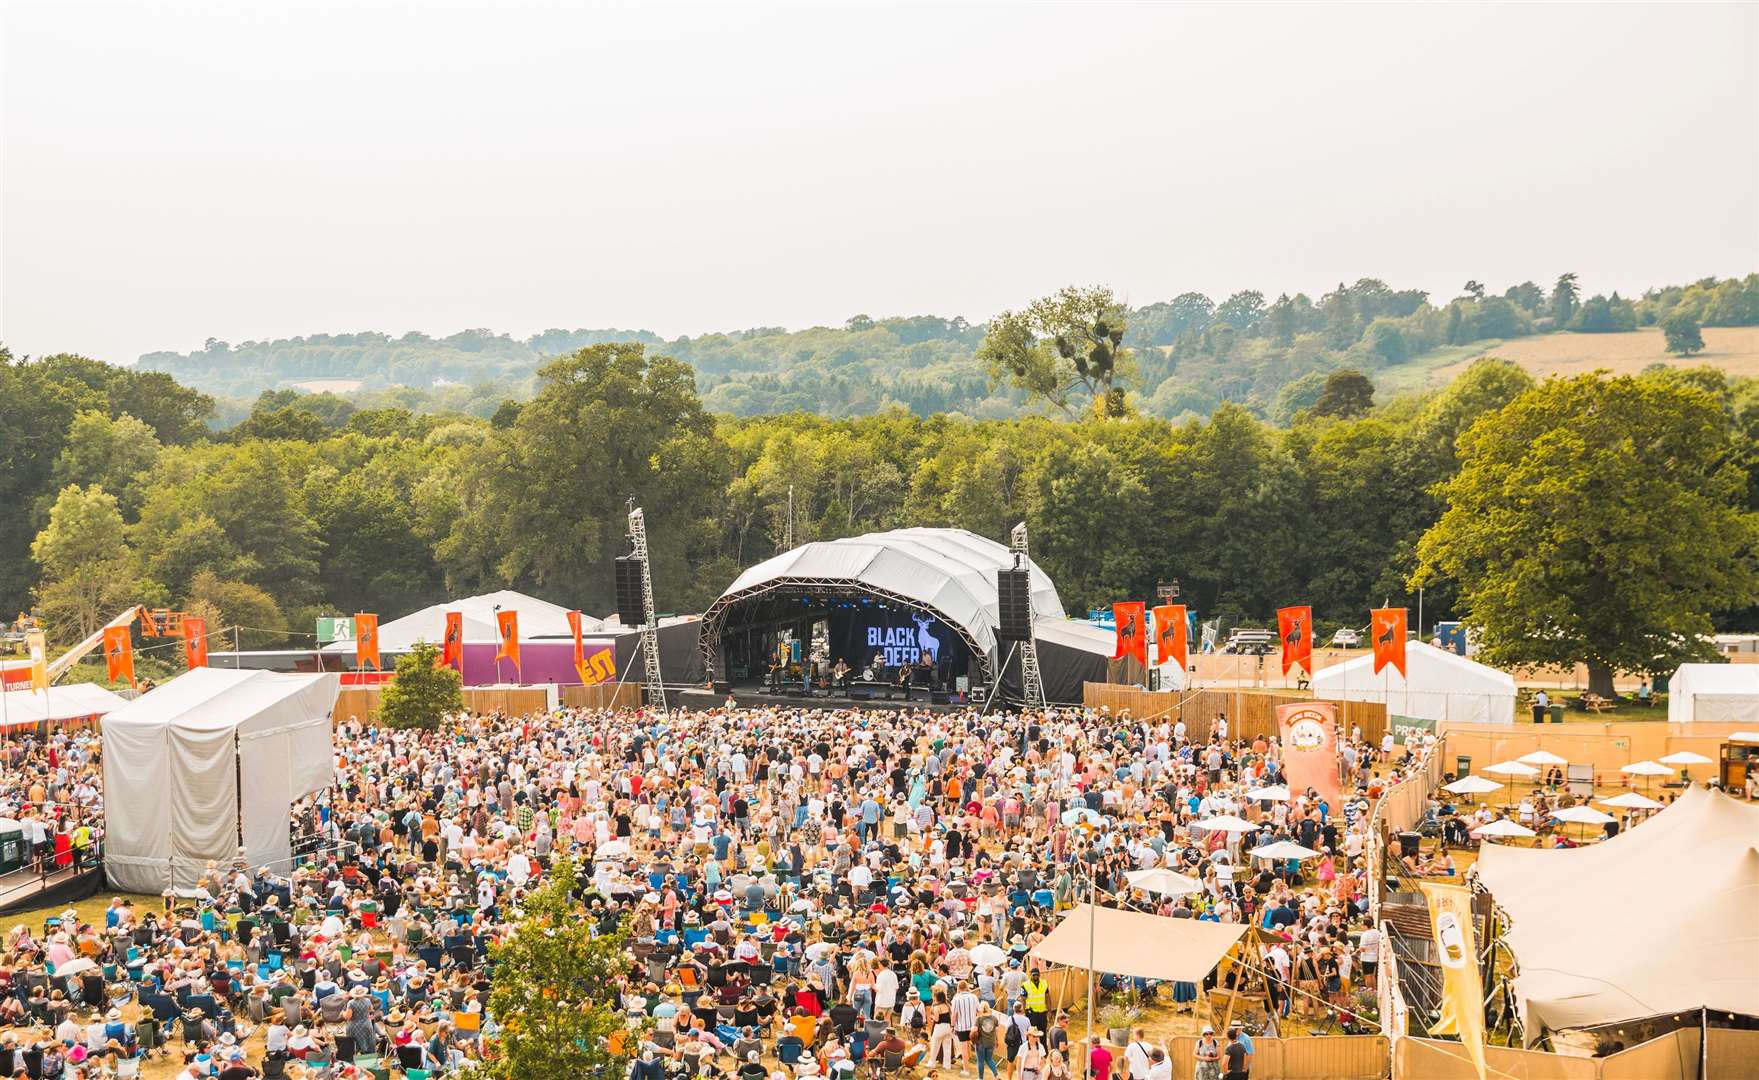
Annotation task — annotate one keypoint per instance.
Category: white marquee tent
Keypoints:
(1442, 685)
(213, 756)
(1718, 693)
(537, 619)
(71, 702)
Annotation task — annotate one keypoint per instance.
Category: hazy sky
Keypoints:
(244, 170)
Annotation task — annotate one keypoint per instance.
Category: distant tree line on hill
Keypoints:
(1188, 355)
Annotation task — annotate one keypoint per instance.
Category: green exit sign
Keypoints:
(336, 629)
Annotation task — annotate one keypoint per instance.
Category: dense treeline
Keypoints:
(1270, 356)
(314, 505)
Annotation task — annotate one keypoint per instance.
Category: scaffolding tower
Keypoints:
(652, 682)
(1031, 683)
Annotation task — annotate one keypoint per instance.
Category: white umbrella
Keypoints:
(1283, 849)
(1685, 757)
(818, 949)
(1542, 757)
(77, 966)
(1225, 822)
(1079, 815)
(1630, 800)
(1646, 768)
(1162, 881)
(1582, 815)
(1503, 827)
(612, 849)
(1268, 794)
(988, 956)
(1471, 785)
(1511, 768)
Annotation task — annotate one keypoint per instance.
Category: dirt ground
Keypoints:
(1732, 349)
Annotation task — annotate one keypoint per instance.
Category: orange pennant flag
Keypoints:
(119, 654)
(579, 645)
(1387, 634)
(195, 642)
(1128, 617)
(508, 623)
(452, 649)
(366, 641)
(1171, 630)
(1295, 626)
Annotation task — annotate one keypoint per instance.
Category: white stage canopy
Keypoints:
(71, 702)
(537, 619)
(1137, 944)
(1442, 685)
(211, 753)
(1715, 693)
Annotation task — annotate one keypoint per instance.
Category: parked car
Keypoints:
(1250, 641)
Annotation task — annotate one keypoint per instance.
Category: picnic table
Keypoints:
(1596, 703)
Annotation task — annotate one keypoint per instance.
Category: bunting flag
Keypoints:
(1295, 627)
(366, 642)
(1129, 619)
(452, 647)
(1171, 631)
(119, 654)
(1309, 737)
(1386, 627)
(39, 650)
(1211, 630)
(195, 642)
(1456, 948)
(508, 623)
(579, 646)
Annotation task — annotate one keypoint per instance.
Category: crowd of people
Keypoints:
(806, 891)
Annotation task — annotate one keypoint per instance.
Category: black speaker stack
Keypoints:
(630, 609)
(1014, 592)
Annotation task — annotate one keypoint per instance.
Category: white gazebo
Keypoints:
(1715, 693)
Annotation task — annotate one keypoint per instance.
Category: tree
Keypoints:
(1475, 289)
(1564, 296)
(422, 693)
(1060, 346)
(554, 993)
(89, 574)
(1597, 521)
(1682, 334)
(115, 454)
(1347, 392)
(250, 613)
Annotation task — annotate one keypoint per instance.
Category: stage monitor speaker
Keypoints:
(1014, 594)
(721, 686)
(630, 609)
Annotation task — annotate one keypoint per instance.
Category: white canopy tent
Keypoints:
(1137, 944)
(1715, 693)
(1442, 685)
(72, 702)
(537, 619)
(211, 757)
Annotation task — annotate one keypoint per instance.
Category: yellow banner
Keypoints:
(1456, 950)
(39, 650)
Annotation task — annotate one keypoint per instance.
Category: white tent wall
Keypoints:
(1714, 693)
(173, 762)
(1442, 686)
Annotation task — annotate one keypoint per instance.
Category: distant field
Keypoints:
(1733, 349)
(332, 386)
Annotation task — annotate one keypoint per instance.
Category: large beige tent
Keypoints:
(1715, 693)
(1663, 918)
(1138, 945)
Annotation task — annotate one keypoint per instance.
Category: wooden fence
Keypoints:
(1327, 1057)
(1249, 712)
(1606, 746)
(1733, 1055)
(606, 695)
(362, 702)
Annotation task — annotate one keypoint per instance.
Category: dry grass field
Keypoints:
(1734, 350)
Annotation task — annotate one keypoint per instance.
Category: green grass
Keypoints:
(1416, 373)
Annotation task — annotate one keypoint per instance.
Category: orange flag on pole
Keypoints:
(1132, 633)
(579, 645)
(452, 648)
(1170, 630)
(508, 623)
(1387, 630)
(1295, 626)
(366, 641)
(195, 642)
(119, 654)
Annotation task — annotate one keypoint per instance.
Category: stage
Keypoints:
(757, 696)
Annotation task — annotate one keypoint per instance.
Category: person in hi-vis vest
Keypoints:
(1037, 1000)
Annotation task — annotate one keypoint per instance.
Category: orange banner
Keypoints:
(119, 654)
(1386, 628)
(1132, 634)
(366, 641)
(579, 646)
(1309, 732)
(508, 623)
(195, 642)
(452, 648)
(1295, 627)
(38, 645)
(1170, 631)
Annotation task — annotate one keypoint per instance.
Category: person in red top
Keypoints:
(1099, 1061)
